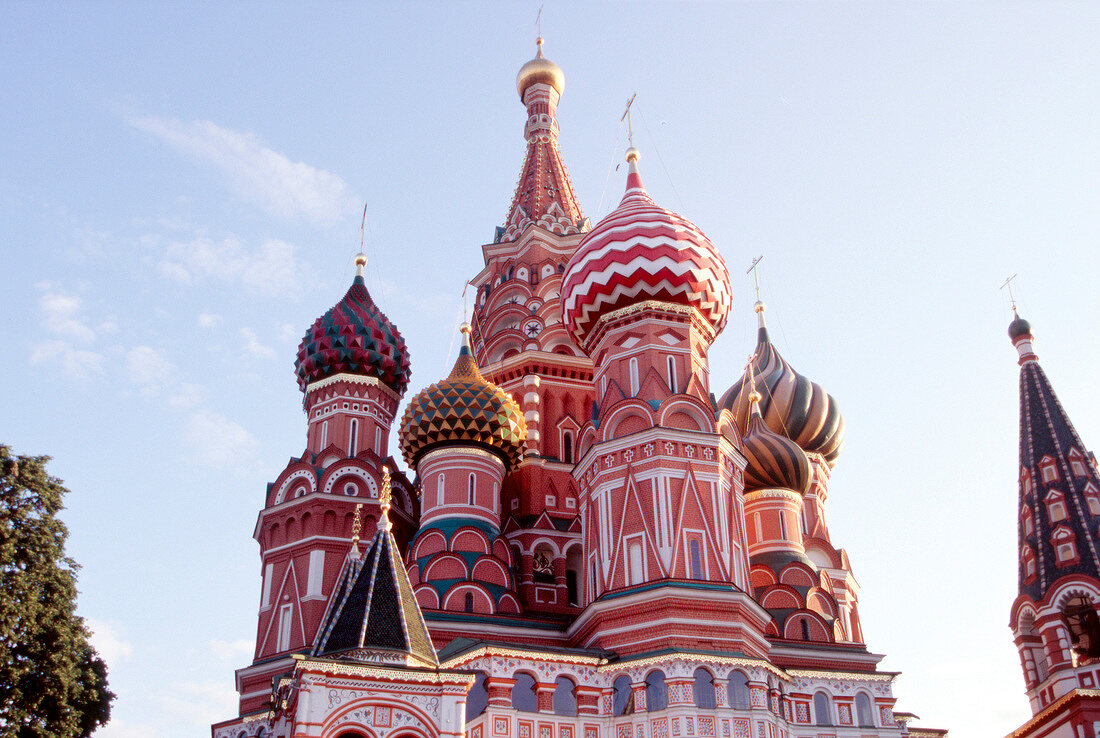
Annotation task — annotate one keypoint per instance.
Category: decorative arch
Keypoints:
(338, 474)
(284, 486)
(806, 626)
(426, 596)
(687, 415)
(481, 601)
(470, 540)
(428, 544)
(446, 566)
(418, 725)
(781, 597)
(629, 417)
(489, 570)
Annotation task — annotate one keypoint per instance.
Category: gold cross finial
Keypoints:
(1011, 298)
(384, 498)
(361, 258)
(538, 21)
(629, 121)
(356, 524)
(464, 288)
(755, 274)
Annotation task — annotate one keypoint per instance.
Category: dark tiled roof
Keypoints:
(373, 608)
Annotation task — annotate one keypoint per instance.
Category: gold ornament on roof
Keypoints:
(540, 69)
(384, 499)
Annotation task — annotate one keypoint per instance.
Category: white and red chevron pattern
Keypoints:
(640, 252)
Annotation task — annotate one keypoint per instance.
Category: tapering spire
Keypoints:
(1059, 485)
(544, 195)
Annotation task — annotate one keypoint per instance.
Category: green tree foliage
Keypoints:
(52, 682)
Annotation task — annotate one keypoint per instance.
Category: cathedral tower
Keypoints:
(1054, 619)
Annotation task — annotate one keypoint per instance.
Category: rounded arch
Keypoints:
(781, 597)
(823, 708)
(302, 476)
(703, 689)
(426, 596)
(429, 543)
(491, 571)
(336, 477)
(656, 691)
(524, 694)
(587, 439)
(761, 576)
(508, 604)
(480, 601)
(820, 602)
(737, 687)
(798, 574)
(418, 724)
(865, 713)
(565, 697)
(806, 626)
(622, 696)
(629, 417)
(477, 699)
(686, 415)
(470, 540)
(445, 566)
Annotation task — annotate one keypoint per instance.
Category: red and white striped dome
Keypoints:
(641, 252)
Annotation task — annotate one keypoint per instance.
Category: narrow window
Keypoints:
(470, 490)
(805, 629)
(565, 701)
(623, 699)
(316, 573)
(378, 440)
(523, 694)
(783, 526)
(352, 437)
(439, 490)
(864, 714)
(1066, 552)
(324, 434)
(478, 698)
(1057, 512)
(567, 447)
(636, 574)
(656, 693)
(571, 586)
(738, 687)
(821, 709)
(704, 689)
(696, 559)
(633, 377)
(468, 602)
(286, 616)
(672, 383)
(265, 599)
(802, 520)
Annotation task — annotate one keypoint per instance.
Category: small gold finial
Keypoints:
(538, 42)
(360, 262)
(356, 525)
(384, 498)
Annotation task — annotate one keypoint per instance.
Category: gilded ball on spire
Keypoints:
(540, 69)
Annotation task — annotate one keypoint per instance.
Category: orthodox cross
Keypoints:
(1008, 283)
(755, 274)
(384, 501)
(629, 122)
(538, 21)
(464, 288)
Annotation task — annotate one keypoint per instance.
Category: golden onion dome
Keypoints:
(540, 69)
(465, 409)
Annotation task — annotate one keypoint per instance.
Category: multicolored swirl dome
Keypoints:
(464, 409)
(790, 403)
(641, 252)
(354, 337)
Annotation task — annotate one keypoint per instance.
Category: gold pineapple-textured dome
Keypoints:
(540, 69)
(465, 409)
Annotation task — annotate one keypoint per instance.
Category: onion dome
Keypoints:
(540, 69)
(1018, 327)
(790, 403)
(464, 409)
(641, 252)
(773, 460)
(354, 337)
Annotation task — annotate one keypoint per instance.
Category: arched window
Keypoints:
(471, 487)
(524, 698)
(864, 714)
(805, 629)
(623, 699)
(1084, 630)
(704, 689)
(633, 377)
(574, 564)
(324, 434)
(738, 686)
(353, 434)
(821, 709)
(543, 564)
(656, 693)
(468, 602)
(567, 447)
(478, 698)
(565, 701)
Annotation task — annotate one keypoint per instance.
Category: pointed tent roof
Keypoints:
(544, 194)
(373, 614)
(1048, 441)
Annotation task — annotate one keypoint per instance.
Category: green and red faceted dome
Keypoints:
(642, 252)
(354, 337)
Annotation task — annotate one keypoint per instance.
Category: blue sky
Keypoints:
(180, 198)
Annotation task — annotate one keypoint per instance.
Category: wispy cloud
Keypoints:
(107, 640)
(219, 442)
(63, 316)
(270, 268)
(77, 363)
(209, 320)
(253, 346)
(259, 174)
(187, 396)
(146, 366)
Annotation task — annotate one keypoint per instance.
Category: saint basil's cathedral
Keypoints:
(592, 545)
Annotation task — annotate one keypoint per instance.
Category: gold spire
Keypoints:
(384, 499)
(356, 524)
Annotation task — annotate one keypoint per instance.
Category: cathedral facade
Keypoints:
(591, 545)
